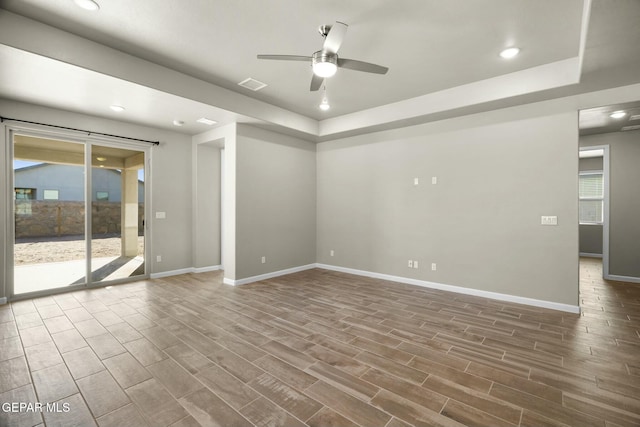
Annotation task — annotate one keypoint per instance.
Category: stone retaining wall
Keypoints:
(55, 218)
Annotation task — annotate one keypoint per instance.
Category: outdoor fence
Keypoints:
(55, 218)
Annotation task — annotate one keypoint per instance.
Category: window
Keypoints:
(591, 193)
(50, 194)
(102, 196)
(25, 193)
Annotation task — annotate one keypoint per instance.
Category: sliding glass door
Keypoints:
(117, 213)
(78, 213)
(49, 212)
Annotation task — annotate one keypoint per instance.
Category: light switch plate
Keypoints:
(161, 215)
(549, 220)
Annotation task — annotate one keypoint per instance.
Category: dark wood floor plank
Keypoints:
(285, 396)
(233, 391)
(348, 406)
(528, 386)
(263, 413)
(289, 355)
(481, 401)
(458, 376)
(407, 390)
(386, 365)
(410, 412)
(285, 372)
(343, 380)
(544, 407)
(469, 415)
(328, 418)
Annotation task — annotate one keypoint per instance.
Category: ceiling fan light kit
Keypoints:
(324, 64)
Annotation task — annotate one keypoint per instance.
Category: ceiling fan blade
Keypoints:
(367, 67)
(335, 37)
(316, 82)
(285, 57)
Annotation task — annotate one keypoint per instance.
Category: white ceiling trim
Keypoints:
(543, 77)
(584, 30)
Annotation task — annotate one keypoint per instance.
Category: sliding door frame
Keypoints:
(88, 140)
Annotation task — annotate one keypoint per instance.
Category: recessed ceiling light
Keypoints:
(101, 159)
(117, 108)
(206, 121)
(178, 123)
(509, 53)
(87, 4)
(618, 114)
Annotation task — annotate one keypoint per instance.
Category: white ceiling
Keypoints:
(429, 46)
(598, 119)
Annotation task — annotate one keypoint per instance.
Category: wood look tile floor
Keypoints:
(320, 348)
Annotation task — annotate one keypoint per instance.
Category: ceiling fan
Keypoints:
(325, 62)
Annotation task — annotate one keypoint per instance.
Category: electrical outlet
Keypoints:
(410, 264)
(549, 220)
(416, 181)
(264, 259)
(434, 180)
(415, 264)
(331, 252)
(433, 266)
(159, 258)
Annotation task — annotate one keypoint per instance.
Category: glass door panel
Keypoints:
(117, 212)
(49, 212)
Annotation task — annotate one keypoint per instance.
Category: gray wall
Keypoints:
(624, 206)
(171, 181)
(591, 234)
(480, 223)
(591, 239)
(275, 202)
(207, 227)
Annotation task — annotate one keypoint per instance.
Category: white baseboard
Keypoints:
(268, 275)
(622, 278)
(207, 269)
(3, 300)
(589, 255)
(171, 273)
(184, 271)
(458, 289)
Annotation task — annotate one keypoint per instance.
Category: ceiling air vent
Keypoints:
(636, 127)
(635, 117)
(252, 84)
